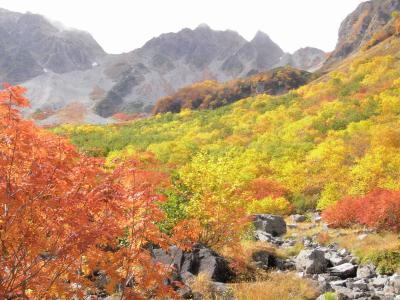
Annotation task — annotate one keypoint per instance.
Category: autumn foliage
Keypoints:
(211, 94)
(64, 219)
(379, 209)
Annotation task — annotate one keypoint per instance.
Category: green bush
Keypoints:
(386, 262)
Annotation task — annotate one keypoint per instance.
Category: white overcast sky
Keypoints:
(123, 25)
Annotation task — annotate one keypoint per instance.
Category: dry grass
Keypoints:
(241, 259)
(282, 286)
(373, 242)
(202, 284)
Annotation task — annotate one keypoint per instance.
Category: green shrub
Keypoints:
(386, 262)
(329, 296)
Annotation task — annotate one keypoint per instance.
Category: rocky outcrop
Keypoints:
(360, 26)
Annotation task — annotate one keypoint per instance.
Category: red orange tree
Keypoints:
(63, 218)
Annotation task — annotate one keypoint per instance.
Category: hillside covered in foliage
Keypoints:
(212, 94)
(335, 137)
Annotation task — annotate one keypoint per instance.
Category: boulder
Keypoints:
(359, 285)
(379, 282)
(334, 258)
(298, 218)
(344, 271)
(263, 259)
(272, 224)
(263, 236)
(200, 259)
(267, 237)
(344, 293)
(366, 271)
(316, 217)
(394, 284)
(311, 261)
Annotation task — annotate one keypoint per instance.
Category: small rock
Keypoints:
(379, 282)
(263, 236)
(298, 218)
(339, 283)
(362, 236)
(262, 258)
(334, 258)
(311, 261)
(343, 252)
(343, 293)
(344, 271)
(292, 226)
(366, 271)
(394, 284)
(316, 218)
(359, 285)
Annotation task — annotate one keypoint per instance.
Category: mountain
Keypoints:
(308, 58)
(66, 70)
(360, 26)
(173, 60)
(30, 45)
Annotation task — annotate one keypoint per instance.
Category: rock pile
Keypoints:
(332, 268)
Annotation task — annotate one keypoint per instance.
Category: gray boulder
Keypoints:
(272, 224)
(311, 262)
(379, 282)
(393, 285)
(344, 293)
(366, 271)
(263, 259)
(298, 218)
(334, 258)
(344, 271)
(359, 285)
(200, 260)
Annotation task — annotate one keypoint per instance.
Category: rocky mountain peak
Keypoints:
(32, 41)
(360, 26)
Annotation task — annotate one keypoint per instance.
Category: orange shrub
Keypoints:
(379, 209)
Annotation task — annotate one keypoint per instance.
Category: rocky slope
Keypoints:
(308, 58)
(360, 26)
(30, 46)
(66, 71)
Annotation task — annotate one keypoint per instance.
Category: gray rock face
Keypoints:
(360, 26)
(274, 225)
(311, 262)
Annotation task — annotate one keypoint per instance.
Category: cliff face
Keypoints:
(360, 26)
(30, 45)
